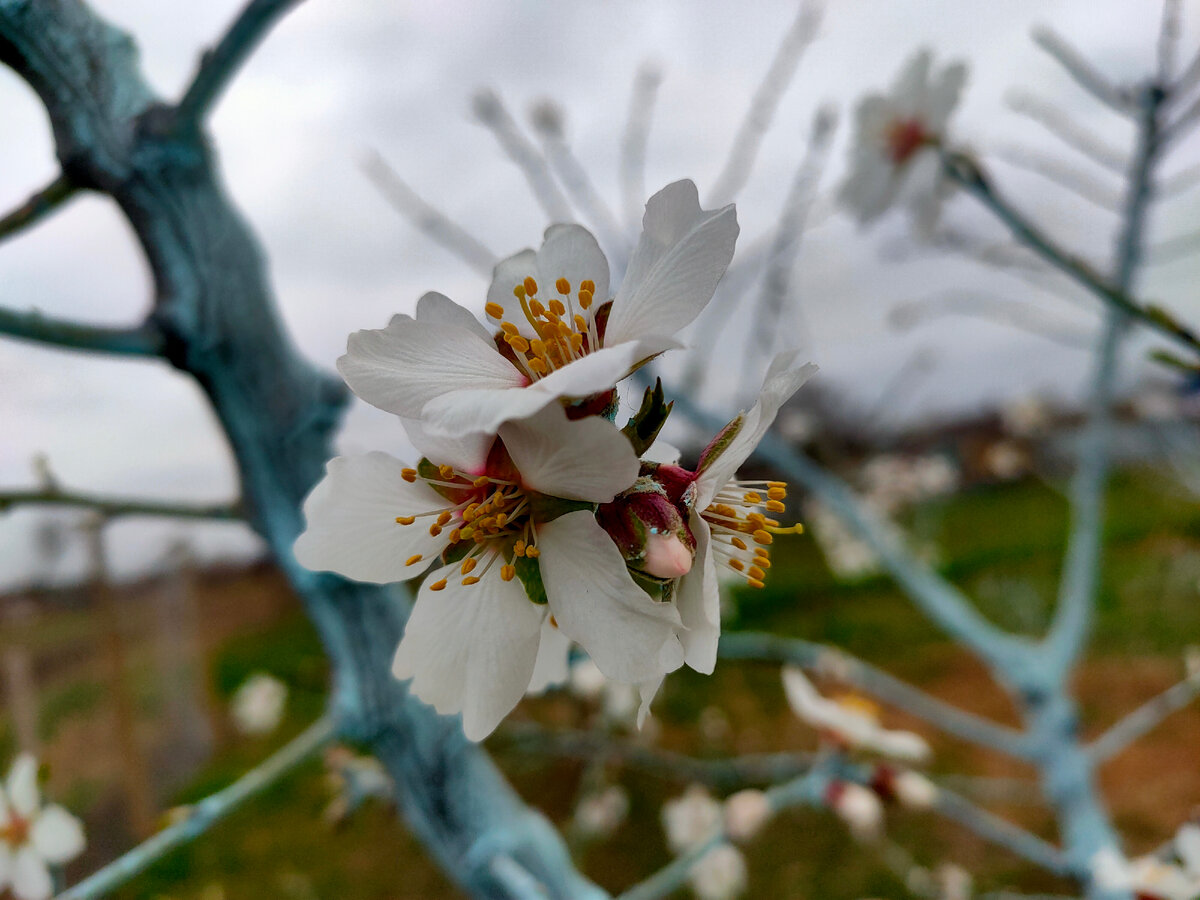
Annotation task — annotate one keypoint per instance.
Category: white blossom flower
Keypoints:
(720, 874)
(600, 813)
(914, 790)
(33, 837)
(258, 705)
(745, 813)
(556, 335)
(859, 807)
(852, 724)
(894, 158)
(520, 558)
(691, 818)
(676, 526)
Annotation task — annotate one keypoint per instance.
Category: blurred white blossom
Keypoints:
(33, 837)
(600, 813)
(720, 874)
(258, 705)
(690, 818)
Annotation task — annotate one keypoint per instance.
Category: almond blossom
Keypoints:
(554, 332)
(521, 566)
(33, 837)
(894, 158)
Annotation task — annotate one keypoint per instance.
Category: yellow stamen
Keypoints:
(756, 572)
(443, 517)
(533, 552)
(446, 472)
(536, 365)
(495, 310)
(564, 286)
(755, 583)
(519, 292)
(738, 542)
(508, 573)
(435, 530)
(775, 506)
(469, 580)
(455, 535)
(519, 548)
(467, 565)
(405, 520)
(536, 308)
(517, 342)
(580, 323)
(585, 299)
(409, 475)
(509, 328)
(576, 342)
(777, 493)
(752, 497)
(556, 307)
(763, 537)
(588, 285)
(438, 585)
(530, 285)
(737, 564)
(480, 481)
(413, 560)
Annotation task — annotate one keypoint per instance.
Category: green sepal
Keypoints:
(648, 421)
(720, 443)
(544, 508)
(530, 574)
(455, 552)
(658, 588)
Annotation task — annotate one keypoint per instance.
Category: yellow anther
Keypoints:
(564, 286)
(588, 285)
(556, 307)
(530, 285)
(756, 572)
(775, 506)
(517, 342)
(414, 559)
(758, 520)
(722, 510)
(585, 299)
(538, 347)
(501, 520)
(774, 525)
(455, 535)
(508, 573)
(438, 585)
(470, 580)
(467, 565)
(495, 310)
(470, 512)
(536, 365)
(798, 528)
(777, 484)
(435, 530)
(762, 562)
(519, 292)
(480, 481)
(533, 552)
(443, 517)
(509, 328)
(576, 342)
(737, 564)
(777, 493)
(536, 308)
(738, 542)
(409, 475)
(580, 323)
(466, 532)
(405, 520)
(446, 472)
(519, 548)
(755, 583)
(763, 537)
(752, 497)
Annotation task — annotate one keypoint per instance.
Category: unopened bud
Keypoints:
(858, 807)
(914, 790)
(666, 556)
(649, 530)
(745, 814)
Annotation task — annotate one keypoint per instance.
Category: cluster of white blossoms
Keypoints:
(895, 157)
(541, 519)
(1154, 876)
(33, 837)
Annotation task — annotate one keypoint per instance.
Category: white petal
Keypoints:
(57, 835)
(22, 786)
(698, 600)
(352, 528)
(6, 865)
(402, 367)
(1187, 848)
(784, 378)
(681, 255)
(908, 91)
(570, 252)
(469, 411)
(662, 452)
(552, 666)
(466, 452)
(4, 815)
(630, 637)
(30, 877)
(647, 690)
(508, 274)
(438, 309)
(587, 459)
(471, 648)
(943, 95)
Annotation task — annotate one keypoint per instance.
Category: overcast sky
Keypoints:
(337, 79)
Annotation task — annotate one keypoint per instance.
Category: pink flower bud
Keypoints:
(666, 556)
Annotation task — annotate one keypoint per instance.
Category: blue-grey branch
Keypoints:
(111, 507)
(141, 340)
(39, 205)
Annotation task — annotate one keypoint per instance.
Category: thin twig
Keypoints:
(1171, 249)
(764, 105)
(1069, 132)
(878, 683)
(1001, 832)
(429, 220)
(1027, 317)
(1168, 41)
(204, 815)
(39, 205)
(142, 340)
(1061, 173)
(1144, 719)
(632, 171)
(1082, 72)
(219, 65)
(117, 507)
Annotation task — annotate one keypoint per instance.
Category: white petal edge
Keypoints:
(465, 452)
(571, 252)
(57, 835)
(681, 255)
(585, 459)
(552, 666)
(438, 309)
(352, 528)
(22, 786)
(698, 599)
(30, 877)
(596, 603)
(471, 648)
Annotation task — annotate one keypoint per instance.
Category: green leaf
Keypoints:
(530, 574)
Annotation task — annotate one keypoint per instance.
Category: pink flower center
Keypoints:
(904, 138)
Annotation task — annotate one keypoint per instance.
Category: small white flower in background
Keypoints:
(720, 874)
(33, 837)
(618, 701)
(954, 882)
(1191, 661)
(1005, 460)
(857, 806)
(914, 790)
(555, 334)
(1025, 417)
(746, 812)
(849, 558)
(258, 705)
(854, 725)
(894, 159)
(690, 818)
(601, 813)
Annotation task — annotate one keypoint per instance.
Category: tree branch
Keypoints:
(116, 507)
(1082, 72)
(634, 137)
(203, 815)
(1144, 719)
(143, 340)
(38, 206)
(219, 65)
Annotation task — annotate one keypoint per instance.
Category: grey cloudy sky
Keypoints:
(337, 79)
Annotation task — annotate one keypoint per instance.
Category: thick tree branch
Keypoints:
(117, 507)
(219, 65)
(143, 340)
(38, 206)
